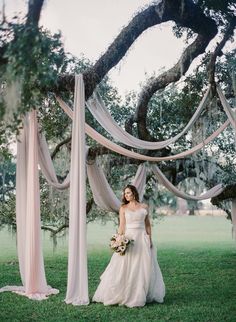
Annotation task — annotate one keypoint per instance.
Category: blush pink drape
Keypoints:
(120, 150)
(77, 280)
(47, 167)
(103, 194)
(139, 180)
(213, 192)
(231, 114)
(98, 109)
(29, 243)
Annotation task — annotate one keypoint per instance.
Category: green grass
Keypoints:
(196, 254)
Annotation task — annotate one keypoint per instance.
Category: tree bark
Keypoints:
(218, 51)
(34, 11)
(228, 193)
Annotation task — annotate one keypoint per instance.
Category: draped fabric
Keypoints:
(139, 180)
(120, 150)
(77, 280)
(47, 166)
(228, 110)
(213, 192)
(29, 244)
(21, 196)
(233, 217)
(32, 150)
(106, 199)
(98, 109)
(103, 194)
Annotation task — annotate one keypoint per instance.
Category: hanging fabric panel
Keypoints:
(103, 194)
(98, 109)
(47, 166)
(139, 180)
(29, 243)
(77, 281)
(213, 192)
(120, 150)
(228, 110)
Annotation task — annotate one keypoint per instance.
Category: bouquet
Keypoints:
(119, 243)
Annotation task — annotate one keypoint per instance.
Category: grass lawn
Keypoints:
(197, 257)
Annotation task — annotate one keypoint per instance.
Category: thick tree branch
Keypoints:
(55, 230)
(34, 11)
(59, 146)
(218, 50)
(190, 16)
(33, 16)
(3, 60)
(170, 76)
(228, 193)
(115, 52)
(183, 12)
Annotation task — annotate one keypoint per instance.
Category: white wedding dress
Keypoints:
(135, 278)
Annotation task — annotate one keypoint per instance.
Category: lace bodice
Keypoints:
(135, 218)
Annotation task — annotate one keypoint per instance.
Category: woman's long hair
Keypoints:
(134, 192)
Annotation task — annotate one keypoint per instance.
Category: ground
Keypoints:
(197, 257)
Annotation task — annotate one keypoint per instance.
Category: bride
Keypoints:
(135, 278)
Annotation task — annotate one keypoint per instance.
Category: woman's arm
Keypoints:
(148, 228)
(121, 229)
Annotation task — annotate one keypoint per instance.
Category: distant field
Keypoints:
(183, 231)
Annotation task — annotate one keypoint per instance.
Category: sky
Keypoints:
(90, 26)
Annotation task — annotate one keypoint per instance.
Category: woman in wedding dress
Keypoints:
(134, 278)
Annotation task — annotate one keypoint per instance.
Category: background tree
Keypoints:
(34, 66)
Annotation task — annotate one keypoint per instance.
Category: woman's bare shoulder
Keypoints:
(122, 208)
(144, 205)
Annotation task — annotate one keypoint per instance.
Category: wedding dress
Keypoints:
(134, 278)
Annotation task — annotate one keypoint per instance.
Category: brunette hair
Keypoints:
(134, 192)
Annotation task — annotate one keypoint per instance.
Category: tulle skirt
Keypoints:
(133, 279)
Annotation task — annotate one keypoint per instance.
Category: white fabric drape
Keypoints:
(77, 281)
(21, 197)
(139, 180)
(103, 194)
(233, 217)
(47, 166)
(213, 192)
(228, 110)
(98, 109)
(28, 216)
(120, 150)
(106, 199)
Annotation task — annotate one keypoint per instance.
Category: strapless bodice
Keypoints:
(135, 218)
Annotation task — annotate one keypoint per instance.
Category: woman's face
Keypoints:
(128, 194)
